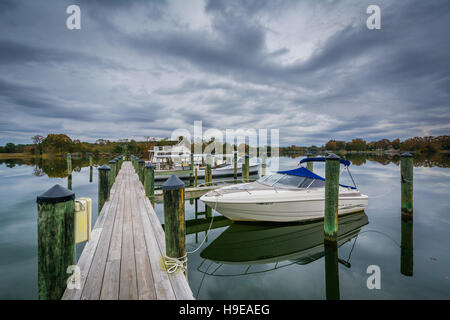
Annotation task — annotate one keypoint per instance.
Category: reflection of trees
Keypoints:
(420, 159)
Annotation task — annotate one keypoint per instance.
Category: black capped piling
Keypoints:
(149, 180)
(173, 191)
(331, 198)
(69, 171)
(56, 240)
(103, 186)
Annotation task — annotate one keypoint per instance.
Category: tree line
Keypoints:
(60, 144)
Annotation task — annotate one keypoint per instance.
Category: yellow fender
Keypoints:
(83, 219)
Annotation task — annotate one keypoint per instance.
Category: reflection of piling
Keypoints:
(407, 250)
(309, 165)
(407, 176)
(149, 180)
(103, 186)
(330, 225)
(173, 191)
(235, 166)
(331, 272)
(56, 239)
(141, 166)
(117, 167)
(406, 170)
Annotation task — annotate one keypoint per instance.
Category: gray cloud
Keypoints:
(311, 69)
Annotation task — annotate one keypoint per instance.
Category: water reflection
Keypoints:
(246, 243)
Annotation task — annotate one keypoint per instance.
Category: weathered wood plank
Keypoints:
(128, 284)
(145, 281)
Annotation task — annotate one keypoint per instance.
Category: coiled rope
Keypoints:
(180, 263)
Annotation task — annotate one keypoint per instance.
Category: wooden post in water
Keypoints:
(103, 186)
(69, 171)
(330, 225)
(235, 166)
(247, 168)
(149, 180)
(208, 175)
(195, 177)
(56, 240)
(112, 173)
(174, 224)
(264, 165)
(407, 175)
(141, 166)
(90, 167)
(309, 165)
(406, 170)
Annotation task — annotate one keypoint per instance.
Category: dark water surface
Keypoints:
(266, 261)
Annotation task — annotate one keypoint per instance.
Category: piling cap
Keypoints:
(407, 155)
(104, 167)
(246, 156)
(149, 165)
(141, 161)
(332, 156)
(112, 161)
(173, 183)
(55, 194)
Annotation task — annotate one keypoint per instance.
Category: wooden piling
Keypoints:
(117, 168)
(112, 173)
(173, 190)
(141, 166)
(149, 180)
(56, 240)
(103, 186)
(407, 174)
(309, 165)
(69, 171)
(330, 225)
(91, 162)
(247, 168)
(263, 166)
(90, 174)
(235, 166)
(195, 177)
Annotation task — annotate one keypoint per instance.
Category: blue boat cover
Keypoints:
(323, 159)
(303, 172)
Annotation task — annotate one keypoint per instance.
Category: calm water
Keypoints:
(265, 261)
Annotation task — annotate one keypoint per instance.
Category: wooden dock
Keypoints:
(124, 258)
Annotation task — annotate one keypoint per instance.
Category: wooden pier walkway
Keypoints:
(124, 258)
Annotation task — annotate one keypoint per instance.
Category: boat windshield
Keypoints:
(287, 181)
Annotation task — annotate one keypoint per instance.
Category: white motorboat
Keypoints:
(286, 196)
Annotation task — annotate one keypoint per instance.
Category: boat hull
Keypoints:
(283, 211)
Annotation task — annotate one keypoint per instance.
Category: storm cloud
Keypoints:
(311, 69)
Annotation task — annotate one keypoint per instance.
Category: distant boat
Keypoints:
(286, 196)
(244, 243)
(220, 171)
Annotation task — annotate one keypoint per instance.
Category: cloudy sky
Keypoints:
(311, 69)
